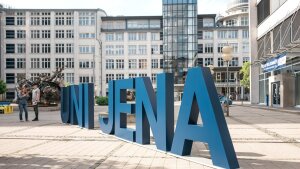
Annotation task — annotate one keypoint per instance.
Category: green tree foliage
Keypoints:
(245, 71)
(102, 101)
(3, 88)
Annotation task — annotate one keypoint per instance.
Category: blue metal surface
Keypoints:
(200, 94)
(88, 105)
(157, 113)
(122, 109)
(76, 105)
(107, 124)
(65, 106)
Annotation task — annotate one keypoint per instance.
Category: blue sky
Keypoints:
(117, 7)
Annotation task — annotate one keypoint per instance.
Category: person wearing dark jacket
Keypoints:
(23, 96)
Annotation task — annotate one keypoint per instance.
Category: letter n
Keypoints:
(88, 106)
(200, 94)
(159, 111)
(65, 104)
(76, 105)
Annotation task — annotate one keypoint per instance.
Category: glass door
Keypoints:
(276, 93)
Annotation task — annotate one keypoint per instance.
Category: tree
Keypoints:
(245, 71)
(3, 88)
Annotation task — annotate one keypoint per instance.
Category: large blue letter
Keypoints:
(160, 117)
(200, 93)
(107, 123)
(88, 106)
(65, 106)
(76, 112)
(122, 109)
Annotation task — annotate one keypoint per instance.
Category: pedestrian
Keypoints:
(35, 101)
(22, 97)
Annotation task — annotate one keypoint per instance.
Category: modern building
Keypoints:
(38, 41)
(275, 52)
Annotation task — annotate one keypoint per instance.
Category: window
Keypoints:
(70, 77)
(69, 48)
(21, 21)
(234, 62)
(154, 63)
(70, 33)
(10, 78)
(84, 64)
(69, 20)
(109, 49)
(86, 18)
(235, 47)
(208, 35)
(142, 63)
(59, 20)
(86, 35)
(119, 36)
(208, 61)
(21, 63)
(21, 34)
(222, 34)
(21, 48)
(154, 36)
(109, 77)
(35, 48)
(119, 64)
(153, 77)
(34, 76)
(35, 34)
(45, 33)
(46, 63)
(263, 10)
(84, 79)
(109, 36)
(70, 63)
(231, 22)
(244, 21)
(60, 48)
(119, 76)
(10, 34)
(119, 50)
(143, 74)
(35, 63)
(245, 47)
(220, 62)
(60, 34)
(245, 34)
(208, 48)
(35, 21)
(161, 49)
(208, 22)
(220, 47)
(46, 20)
(132, 50)
(46, 48)
(10, 63)
(154, 49)
(59, 62)
(246, 59)
(275, 4)
(109, 64)
(200, 48)
(199, 62)
(142, 49)
(232, 34)
(200, 34)
(142, 36)
(132, 75)
(10, 20)
(132, 64)
(10, 48)
(86, 49)
(137, 24)
(132, 36)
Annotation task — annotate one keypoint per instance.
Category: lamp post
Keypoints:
(227, 57)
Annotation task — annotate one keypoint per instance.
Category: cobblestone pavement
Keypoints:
(262, 139)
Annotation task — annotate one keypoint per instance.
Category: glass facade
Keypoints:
(179, 36)
(298, 89)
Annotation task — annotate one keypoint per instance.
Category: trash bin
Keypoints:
(267, 100)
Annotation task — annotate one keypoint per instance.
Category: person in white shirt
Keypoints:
(35, 101)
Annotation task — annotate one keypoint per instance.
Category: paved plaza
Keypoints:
(262, 139)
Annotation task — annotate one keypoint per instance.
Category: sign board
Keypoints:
(275, 63)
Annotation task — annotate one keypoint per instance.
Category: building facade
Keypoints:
(36, 41)
(275, 52)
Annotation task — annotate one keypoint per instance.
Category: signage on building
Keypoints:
(275, 63)
(155, 110)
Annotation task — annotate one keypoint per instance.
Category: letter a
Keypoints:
(200, 93)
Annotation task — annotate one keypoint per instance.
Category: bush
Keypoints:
(102, 101)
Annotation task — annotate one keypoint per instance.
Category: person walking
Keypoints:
(35, 101)
(22, 99)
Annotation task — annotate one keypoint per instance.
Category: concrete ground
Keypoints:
(261, 138)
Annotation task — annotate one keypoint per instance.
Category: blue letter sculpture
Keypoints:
(158, 112)
(65, 105)
(122, 109)
(200, 94)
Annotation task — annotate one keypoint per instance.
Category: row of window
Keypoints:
(119, 76)
(46, 34)
(133, 64)
(132, 49)
(223, 34)
(210, 61)
(133, 36)
(209, 47)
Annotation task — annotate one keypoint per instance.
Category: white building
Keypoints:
(37, 41)
(275, 52)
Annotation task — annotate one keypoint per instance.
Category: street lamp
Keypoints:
(227, 57)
